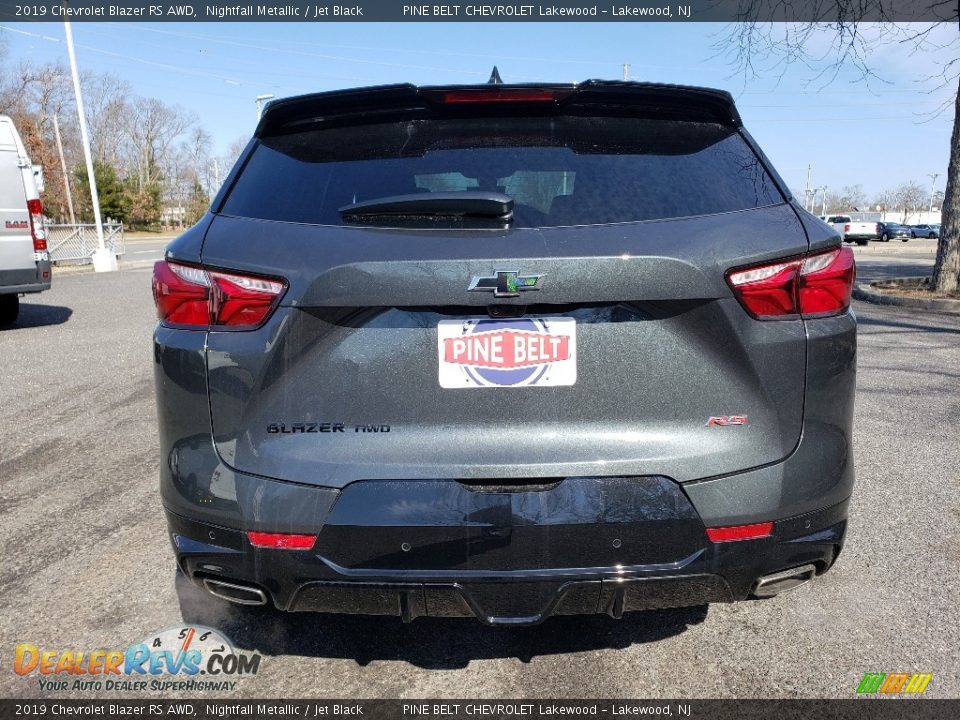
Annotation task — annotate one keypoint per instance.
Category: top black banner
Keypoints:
(827, 11)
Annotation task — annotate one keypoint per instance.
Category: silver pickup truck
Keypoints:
(24, 257)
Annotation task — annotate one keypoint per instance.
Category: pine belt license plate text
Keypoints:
(515, 352)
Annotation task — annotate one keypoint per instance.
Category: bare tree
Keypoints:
(909, 198)
(756, 45)
(847, 199)
(106, 99)
(151, 130)
(220, 166)
(885, 200)
(152, 151)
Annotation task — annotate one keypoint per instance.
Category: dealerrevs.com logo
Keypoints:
(186, 658)
(894, 683)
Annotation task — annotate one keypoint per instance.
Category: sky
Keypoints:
(878, 133)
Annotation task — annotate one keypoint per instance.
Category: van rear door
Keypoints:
(16, 242)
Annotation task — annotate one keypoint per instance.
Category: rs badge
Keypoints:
(727, 420)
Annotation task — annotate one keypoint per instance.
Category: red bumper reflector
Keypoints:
(740, 532)
(281, 541)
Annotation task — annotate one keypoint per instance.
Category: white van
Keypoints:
(24, 257)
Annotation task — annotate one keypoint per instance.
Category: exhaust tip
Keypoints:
(237, 594)
(770, 585)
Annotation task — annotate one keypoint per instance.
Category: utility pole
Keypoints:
(823, 201)
(933, 186)
(63, 169)
(260, 100)
(806, 195)
(626, 71)
(103, 260)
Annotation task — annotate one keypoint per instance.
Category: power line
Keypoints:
(836, 119)
(246, 70)
(321, 56)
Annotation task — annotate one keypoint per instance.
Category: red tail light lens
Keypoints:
(815, 286)
(846, 228)
(281, 541)
(181, 294)
(740, 532)
(767, 290)
(196, 297)
(37, 230)
(826, 283)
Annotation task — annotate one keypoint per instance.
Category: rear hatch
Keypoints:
(588, 331)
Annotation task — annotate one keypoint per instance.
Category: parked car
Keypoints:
(925, 231)
(858, 231)
(24, 259)
(427, 355)
(894, 231)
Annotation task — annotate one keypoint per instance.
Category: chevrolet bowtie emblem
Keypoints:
(506, 283)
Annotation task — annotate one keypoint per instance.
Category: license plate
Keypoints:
(516, 352)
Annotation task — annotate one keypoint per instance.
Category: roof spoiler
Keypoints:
(371, 103)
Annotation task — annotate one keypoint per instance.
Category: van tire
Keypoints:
(9, 309)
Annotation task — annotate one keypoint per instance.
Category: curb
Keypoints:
(868, 294)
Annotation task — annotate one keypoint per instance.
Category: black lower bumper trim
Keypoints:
(628, 547)
(511, 603)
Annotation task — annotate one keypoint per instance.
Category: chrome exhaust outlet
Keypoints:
(238, 594)
(770, 585)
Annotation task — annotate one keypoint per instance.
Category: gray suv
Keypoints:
(504, 352)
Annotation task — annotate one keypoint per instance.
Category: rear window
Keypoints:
(559, 170)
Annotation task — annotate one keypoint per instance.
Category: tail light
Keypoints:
(37, 230)
(817, 285)
(846, 228)
(197, 297)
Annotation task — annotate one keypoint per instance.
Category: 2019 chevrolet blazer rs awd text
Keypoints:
(506, 352)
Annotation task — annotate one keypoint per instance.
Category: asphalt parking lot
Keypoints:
(88, 565)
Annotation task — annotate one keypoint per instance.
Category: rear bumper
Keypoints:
(508, 568)
(27, 280)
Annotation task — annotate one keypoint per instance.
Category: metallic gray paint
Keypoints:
(354, 341)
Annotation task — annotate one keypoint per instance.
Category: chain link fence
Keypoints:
(75, 244)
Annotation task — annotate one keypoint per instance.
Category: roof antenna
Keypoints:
(495, 77)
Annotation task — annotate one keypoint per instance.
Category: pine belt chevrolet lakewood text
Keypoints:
(507, 352)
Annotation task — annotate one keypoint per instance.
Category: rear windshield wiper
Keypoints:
(450, 206)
